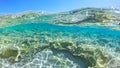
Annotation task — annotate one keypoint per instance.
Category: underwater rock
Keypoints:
(8, 53)
(11, 54)
(61, 45)
(31, 40)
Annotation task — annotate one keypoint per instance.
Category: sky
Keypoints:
(17, 6)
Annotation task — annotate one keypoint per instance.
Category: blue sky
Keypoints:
(16, 6)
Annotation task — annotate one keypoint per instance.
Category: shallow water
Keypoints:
(29, 39)
(90, 33)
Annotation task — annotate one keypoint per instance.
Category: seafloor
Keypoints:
(83, 38)
(44, 45)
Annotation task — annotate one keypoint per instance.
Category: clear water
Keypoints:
(94, 33)
(45, 33)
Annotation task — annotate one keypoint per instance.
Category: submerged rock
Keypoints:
(8, 53)
(31, 39)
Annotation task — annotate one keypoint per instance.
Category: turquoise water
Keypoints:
(44, 33)
(101, 35)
